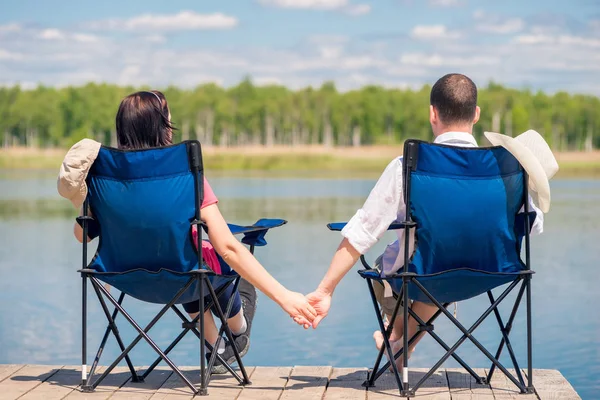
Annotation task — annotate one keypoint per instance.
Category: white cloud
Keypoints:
(8, 55)
(511, 25)
(358, 9)
(446, 3)
(496, 24)
(184, 20)
(12, 27)
(51, 34)
(329, 52)
(568, 61)
(267, 80)
(85, 38)
(329, 39)
(541, 39)
(155, 38)
(439, 60)
(337, 5)
(478, 14)
(306, 4)
(58, 35)
(432, 32)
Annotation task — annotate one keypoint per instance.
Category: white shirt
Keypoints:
(385, 205)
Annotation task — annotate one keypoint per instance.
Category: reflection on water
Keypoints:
(40, 291)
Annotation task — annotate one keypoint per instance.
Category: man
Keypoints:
(453, 111)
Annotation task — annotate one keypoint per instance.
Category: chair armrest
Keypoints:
(338, 226)
(254, 235)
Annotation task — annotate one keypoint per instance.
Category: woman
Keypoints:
(144, 121)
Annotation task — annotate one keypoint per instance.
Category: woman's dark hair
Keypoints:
(143, 121)
(455, 98)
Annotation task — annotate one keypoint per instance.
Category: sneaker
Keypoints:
(249, 301)
(242, 343)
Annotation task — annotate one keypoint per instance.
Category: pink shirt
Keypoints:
(208, 251)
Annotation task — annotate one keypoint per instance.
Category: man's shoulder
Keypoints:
(394, 165)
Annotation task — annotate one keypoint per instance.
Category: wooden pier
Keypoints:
(49, 382)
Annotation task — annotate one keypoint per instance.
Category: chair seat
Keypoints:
(449, 286)
(161, 286)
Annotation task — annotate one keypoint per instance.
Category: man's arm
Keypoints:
(365, 228)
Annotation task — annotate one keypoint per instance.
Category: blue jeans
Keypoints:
(194, 306)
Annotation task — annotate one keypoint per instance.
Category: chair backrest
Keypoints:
(465, 202)
(144, 201)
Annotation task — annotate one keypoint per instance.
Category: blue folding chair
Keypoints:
(144, 203)
(464, 204)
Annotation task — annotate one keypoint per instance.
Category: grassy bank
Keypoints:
(297, 161)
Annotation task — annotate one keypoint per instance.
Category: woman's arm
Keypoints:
(237, 256)
(78, 230)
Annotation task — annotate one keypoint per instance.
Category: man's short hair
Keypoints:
(454, 96)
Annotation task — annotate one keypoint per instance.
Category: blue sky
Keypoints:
(549, 45)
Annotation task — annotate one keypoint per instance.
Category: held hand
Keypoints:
(298, 307)
(321, 301)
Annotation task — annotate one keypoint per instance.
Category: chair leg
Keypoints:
(113, 327)
(508, 329)
(405, 392)
(228, 333)
(225, 325)
(84, 379)
(203, 389)
(375, 373)
(386, 340)
(105, 338)
(530, 388)
(187, 327)
(505, 332)
(142, 333)
(477, 378)
(467, 334)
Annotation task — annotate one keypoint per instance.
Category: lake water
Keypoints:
(40, 290)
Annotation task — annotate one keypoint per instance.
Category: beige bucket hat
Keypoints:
(74, 169)
(537, 159)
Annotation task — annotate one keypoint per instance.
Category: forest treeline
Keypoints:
(247, 114)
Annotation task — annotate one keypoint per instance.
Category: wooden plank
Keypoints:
(551, 384)
(434, 388)
(58, 385)
(385, 388)
(346, 384)
(481, 391)
(50, 382)
(26, 379)
(464, 387)
(107, 387)
(220, 386)
(7, 370)
(307, 383)
(267, 383)
(175, 388)
(143, 390)
(226, 386)
(505, 389)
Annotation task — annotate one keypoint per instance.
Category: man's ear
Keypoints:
(477, 114)
(433, 118)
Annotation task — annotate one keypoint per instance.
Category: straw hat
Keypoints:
(74, 169)
(537, 159)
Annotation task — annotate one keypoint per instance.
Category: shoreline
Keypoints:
(292, 161)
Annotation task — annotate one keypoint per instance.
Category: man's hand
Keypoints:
(298, 307)
(321, 301)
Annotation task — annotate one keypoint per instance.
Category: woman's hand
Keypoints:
(298, 308)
